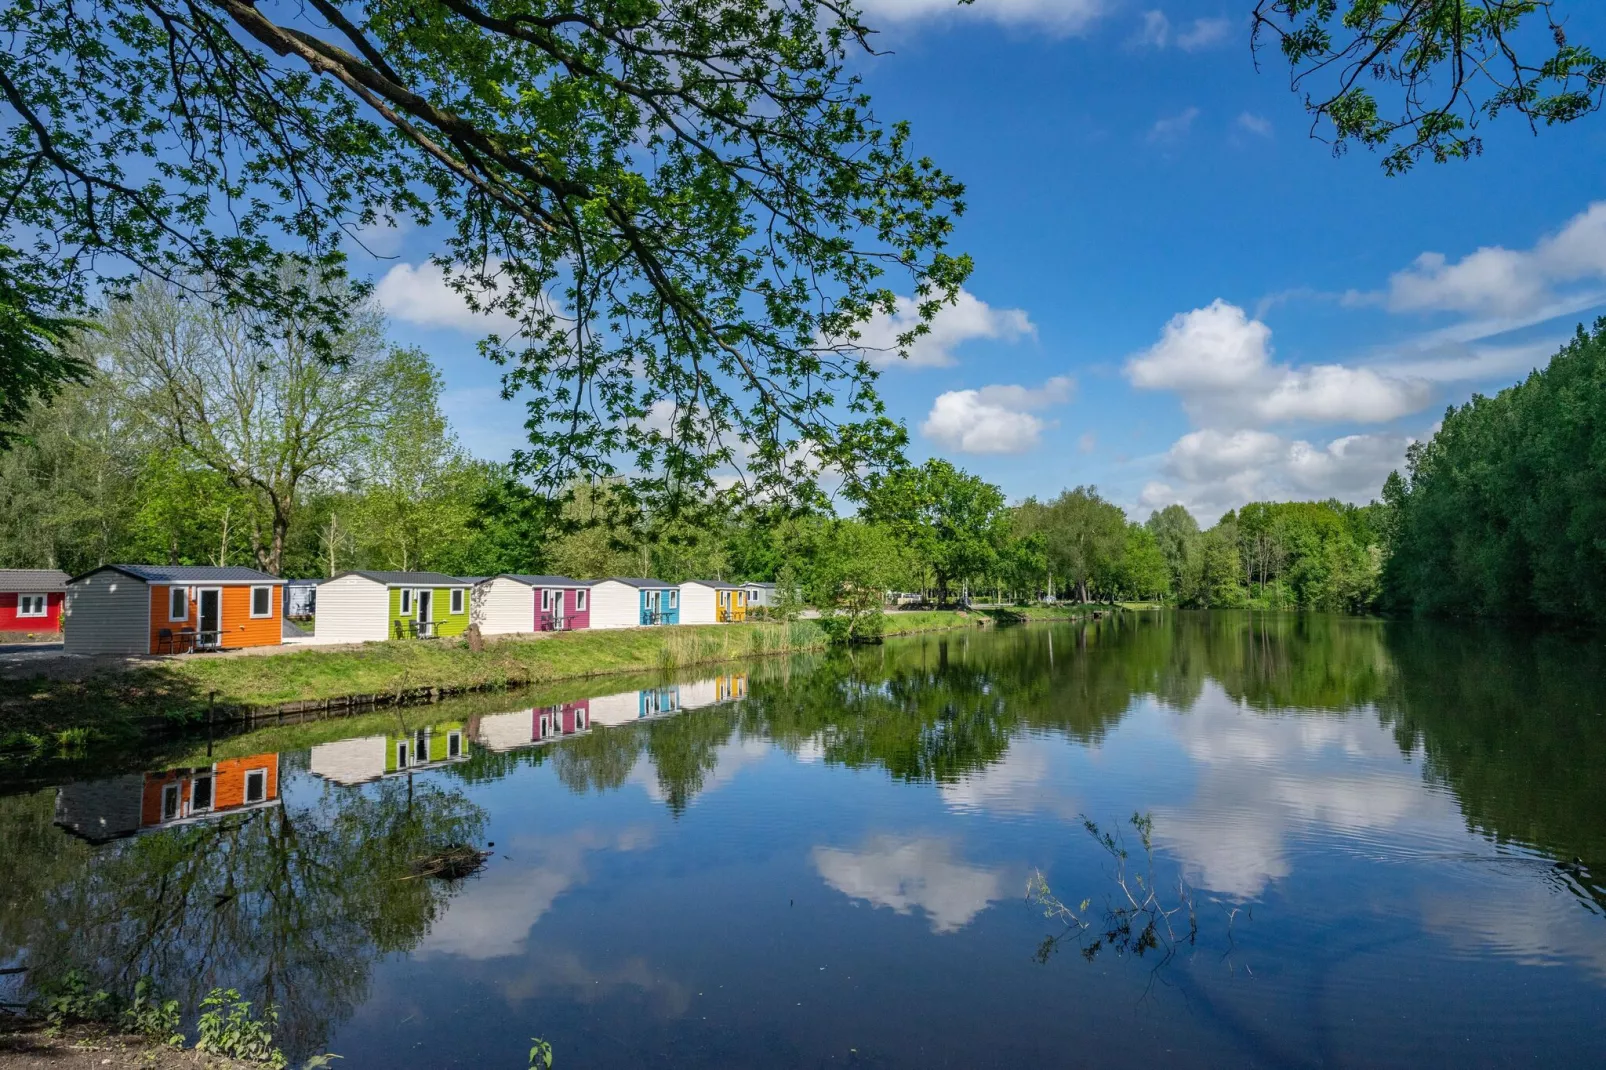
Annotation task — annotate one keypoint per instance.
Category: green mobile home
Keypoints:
(357, 607)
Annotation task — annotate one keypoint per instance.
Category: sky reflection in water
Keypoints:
(823, 860)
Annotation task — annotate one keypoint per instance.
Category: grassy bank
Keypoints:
(49, 713)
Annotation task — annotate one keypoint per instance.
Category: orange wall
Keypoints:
(228, 785)
(239, 628)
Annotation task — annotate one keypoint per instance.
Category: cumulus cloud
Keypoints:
(1498, 280)
(969, 318)
(995, 419)
(420, 296)
(1211, 471)
(1220, 361)
(1173, 127)
(1056, 16)
(911, 874)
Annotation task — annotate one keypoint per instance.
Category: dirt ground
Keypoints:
(24, 1046)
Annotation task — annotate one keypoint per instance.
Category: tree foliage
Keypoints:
(686, 208)
(1415, 78)
(1502, 510)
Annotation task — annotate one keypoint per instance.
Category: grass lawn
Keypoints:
(109, 706)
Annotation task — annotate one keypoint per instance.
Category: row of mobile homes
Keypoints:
(634, 603)
(510, 604)
(31, 600)
(712, 602)
(361, 607)
(172, 609)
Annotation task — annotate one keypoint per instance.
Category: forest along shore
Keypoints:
(45, 717)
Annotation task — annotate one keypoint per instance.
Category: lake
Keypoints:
(1368, 844)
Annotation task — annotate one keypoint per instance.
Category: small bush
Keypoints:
(227, 1028)
(151, 1016)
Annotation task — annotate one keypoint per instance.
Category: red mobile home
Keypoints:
(31, 600)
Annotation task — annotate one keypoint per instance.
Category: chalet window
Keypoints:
(454, 744)
(457, 601)
(406, 603)
(256, 785)
(201, 794)
(674, 597)
(401, 754)
(546, 600)
(262, 601)
(31, 605)
(580, 601)
(178, 603)
(170, 801)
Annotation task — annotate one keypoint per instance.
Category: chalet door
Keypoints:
(425, 600)
(557, 611)
(209, 621)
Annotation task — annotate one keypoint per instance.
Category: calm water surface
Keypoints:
(1393, 838)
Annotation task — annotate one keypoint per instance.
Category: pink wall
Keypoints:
(573, 617)
(10, 622)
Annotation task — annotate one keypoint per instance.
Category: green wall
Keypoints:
(446, 622)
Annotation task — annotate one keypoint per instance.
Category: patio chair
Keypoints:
(400, 634)
(164, 638)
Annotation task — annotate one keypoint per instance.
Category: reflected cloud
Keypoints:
(493, 915)
(1265, 781)
(910, 874)
(1538, 924)
(1024, 781)
(731, 759)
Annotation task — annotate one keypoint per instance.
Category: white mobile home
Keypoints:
(367, 607)
(633, 603)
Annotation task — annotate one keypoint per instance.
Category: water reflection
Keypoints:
(1361, 786)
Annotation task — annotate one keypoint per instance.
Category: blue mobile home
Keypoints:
(634, 603)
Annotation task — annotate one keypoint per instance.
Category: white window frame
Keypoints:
(254, 614)
(454, 744)
(580, 600)
(263, 774)
(25, 604)
(457, 601)
(546, 600)
(173, 594)
(175, 791)
(407, 602)
(674, 599)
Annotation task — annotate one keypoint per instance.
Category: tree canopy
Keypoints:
(685, 208)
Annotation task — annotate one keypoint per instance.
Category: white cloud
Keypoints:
(1211, 471)
(1217, 347)
(1255, 124)
(1172, 127)
(420, 296)
(969, 318)
(1195, 36)
(1499, 280)
(1204, 33)
(994, 419)
(1219, 360)
(1088, 442)
(1056, 16)
(910, 874)
(1156, 31)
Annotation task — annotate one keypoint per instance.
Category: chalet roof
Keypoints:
(543, 581)
(408, 579)
(718, 585)
(769, 586)
(636, 582)
(33, 580)
(187, 574)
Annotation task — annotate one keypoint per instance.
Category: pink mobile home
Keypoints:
(511, 604)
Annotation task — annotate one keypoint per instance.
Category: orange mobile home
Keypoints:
(171, 609)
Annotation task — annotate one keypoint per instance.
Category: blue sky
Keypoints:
(1179, 296)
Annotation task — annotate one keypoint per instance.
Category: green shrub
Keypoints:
(228, 1028)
